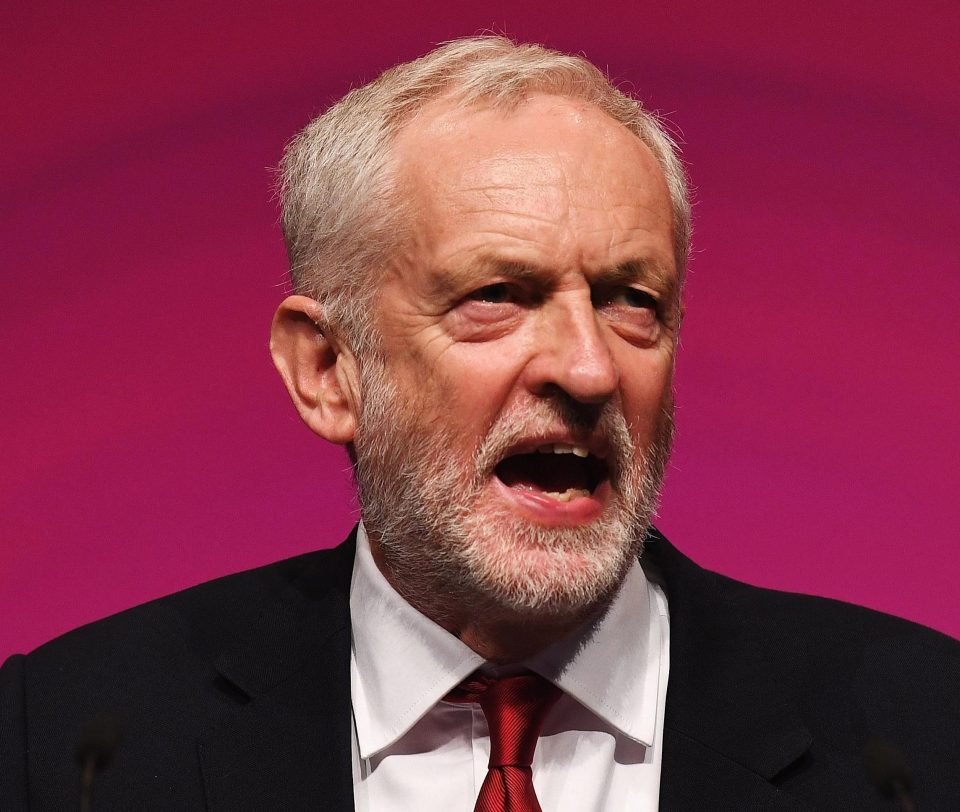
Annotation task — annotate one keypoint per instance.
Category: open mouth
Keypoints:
(556, 470)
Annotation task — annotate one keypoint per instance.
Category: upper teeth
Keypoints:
(563, 448)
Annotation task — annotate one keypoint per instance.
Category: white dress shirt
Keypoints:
(600, 748)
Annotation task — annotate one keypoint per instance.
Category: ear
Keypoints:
(320, 374)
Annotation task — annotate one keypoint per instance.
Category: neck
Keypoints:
(514, 640)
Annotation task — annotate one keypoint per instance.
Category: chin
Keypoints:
(520, 566)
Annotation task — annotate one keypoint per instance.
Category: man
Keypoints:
(488, 248)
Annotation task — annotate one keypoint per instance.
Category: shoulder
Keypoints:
(168, 673)
(840, 637)
(831, 633)
(844, 658)
(854, 660)
(195, 622)
(756, 672)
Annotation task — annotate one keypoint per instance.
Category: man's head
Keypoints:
(508, 392)
(344, 206)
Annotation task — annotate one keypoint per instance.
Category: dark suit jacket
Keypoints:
(236, 696)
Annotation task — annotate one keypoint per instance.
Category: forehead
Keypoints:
(553, 176)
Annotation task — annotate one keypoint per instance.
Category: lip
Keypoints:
(549, 512)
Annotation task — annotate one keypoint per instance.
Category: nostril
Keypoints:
(592, 380)
(589, 406)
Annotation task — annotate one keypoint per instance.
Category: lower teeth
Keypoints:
(567, 495)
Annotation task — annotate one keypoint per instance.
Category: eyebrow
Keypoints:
(663, 280)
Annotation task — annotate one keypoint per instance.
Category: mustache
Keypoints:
(541, 418)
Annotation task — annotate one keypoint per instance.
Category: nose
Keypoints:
(573, 354)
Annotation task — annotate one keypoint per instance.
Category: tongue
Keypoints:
(552, 473)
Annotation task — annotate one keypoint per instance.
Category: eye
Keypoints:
(634, 297)
(488, 312)
(498, 293)
(634, 313)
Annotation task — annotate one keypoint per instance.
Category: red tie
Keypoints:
(515, 708)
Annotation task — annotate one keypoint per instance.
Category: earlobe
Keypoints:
(319, 373)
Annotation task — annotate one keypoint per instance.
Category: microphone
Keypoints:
(888, 771)
(95, 749)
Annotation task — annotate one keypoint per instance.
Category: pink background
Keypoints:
(146, 444)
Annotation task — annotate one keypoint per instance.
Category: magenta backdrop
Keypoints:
(147, 444)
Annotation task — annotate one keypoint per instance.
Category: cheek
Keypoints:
(646, 389)
(463, 395)
(480, 374)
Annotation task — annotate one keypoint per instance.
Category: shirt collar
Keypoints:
(402, 663)
(613, 666)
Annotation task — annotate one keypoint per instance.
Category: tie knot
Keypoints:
(515, 709)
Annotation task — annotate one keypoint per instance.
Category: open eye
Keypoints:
(633, 312)
(488, 312)
(634, 298)
(498, 293)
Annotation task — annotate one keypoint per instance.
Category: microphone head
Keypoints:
(98, 741)
(886, 767)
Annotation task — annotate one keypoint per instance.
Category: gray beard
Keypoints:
(450, 553)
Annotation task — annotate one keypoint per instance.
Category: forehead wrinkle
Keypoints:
(532, 199)
(540, 200)
(526, 216)
(513, 179)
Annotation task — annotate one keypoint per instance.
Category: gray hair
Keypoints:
(343, 216)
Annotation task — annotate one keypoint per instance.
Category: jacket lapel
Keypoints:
(285, 741)
(733, 721)
(694, 778)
